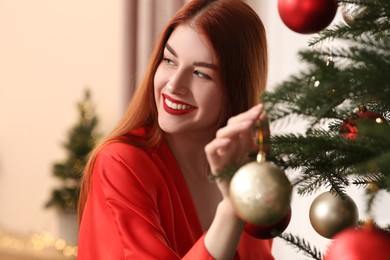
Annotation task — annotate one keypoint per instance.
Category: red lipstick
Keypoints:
(174, 111)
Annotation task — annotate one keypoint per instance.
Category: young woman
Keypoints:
(145, 192)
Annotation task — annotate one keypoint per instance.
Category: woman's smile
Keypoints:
(176, 107)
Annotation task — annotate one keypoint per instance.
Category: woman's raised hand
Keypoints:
(233, 143)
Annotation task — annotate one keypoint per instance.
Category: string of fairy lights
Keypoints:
(38, 242)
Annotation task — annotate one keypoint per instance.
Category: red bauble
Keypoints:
(364, 243)
(307, 16)
(349, 129)
(269, 231)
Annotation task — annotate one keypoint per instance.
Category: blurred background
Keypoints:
(50, 53)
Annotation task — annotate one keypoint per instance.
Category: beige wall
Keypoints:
(50, 50)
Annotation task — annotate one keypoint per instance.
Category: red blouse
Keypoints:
(139, 207)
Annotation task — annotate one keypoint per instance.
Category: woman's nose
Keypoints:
(178, 84)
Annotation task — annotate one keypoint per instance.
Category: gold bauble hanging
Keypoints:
(330, 214)
(260, 193)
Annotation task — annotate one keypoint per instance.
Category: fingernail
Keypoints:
(260, 106)
(257, 109)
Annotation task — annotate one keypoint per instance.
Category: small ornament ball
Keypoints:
(349, 127)
(367, 242)
(330, 214)
(269, 231)
(260, 193)
(307, 16)
(351, 12)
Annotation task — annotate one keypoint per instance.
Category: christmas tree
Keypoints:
(82, 138)
(343, 96)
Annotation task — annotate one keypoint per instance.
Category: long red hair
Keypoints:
(237, 36)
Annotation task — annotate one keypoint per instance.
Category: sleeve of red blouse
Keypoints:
(121, 219)
(198, 251)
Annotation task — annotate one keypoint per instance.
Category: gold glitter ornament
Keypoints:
(260, 191)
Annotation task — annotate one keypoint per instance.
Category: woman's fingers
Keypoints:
(241, 122)
(232, 130)
(251, 114)
(234, 141)
(224, 151)
(215, 152)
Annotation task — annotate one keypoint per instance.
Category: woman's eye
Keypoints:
(201, 75)
(168, 61)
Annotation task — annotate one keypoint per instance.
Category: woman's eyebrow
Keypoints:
(205, 64)
(170, 49)
(196, 63)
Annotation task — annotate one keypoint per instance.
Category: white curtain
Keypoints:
(145, 20)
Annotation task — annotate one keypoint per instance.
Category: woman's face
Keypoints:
(186, 86)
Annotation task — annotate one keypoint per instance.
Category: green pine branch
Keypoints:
(302, 245)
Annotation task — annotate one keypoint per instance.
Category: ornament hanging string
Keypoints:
(372, 190)
(261, 154)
